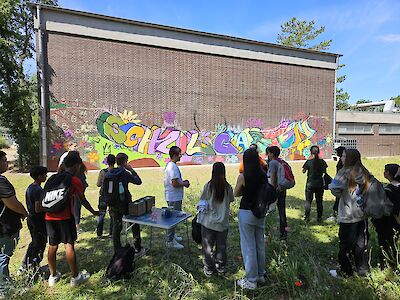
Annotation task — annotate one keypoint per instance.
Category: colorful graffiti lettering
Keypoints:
(154, 141)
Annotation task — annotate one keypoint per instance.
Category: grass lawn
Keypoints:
(310, 252)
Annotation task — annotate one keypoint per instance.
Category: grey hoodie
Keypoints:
(348, 211)
(216, 217)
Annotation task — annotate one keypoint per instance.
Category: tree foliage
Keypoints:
(18, 92)
(300, 34)
(297, 33)
(396, 100)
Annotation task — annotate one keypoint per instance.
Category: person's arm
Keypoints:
(239, 186)
(177, 182)
(305, 167)
(230, 194)
(87, 205)
(134, 177)
(16, 206)
(38, 207)
(100, 179)
(274, 174)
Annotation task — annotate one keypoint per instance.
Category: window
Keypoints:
(389, 128)
(355, 128)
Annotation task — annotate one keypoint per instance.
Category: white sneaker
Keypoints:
(178, 238)
(174, 244)
(333, 273)
(54, 279)
(81, 278)
(245, 284)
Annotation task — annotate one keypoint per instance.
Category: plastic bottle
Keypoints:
(121, 191)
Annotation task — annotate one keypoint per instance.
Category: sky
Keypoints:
(365, 32)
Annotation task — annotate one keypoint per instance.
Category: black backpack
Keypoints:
(265, 197)
(110, 189)
(121, 264)
(56, 192)
(196, 231)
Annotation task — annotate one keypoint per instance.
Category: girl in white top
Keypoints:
(215, 220)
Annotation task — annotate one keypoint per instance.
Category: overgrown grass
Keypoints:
(310, 252)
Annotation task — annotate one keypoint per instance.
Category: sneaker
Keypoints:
(81, 278)
(331, 219)
(174, 244)
(319, 220)
(283, 236)
(140, 253)
(178, 238)
(53, 279)
(21, 270)
(261, 279)
(207, 272)
(245, 284)
(333, 273)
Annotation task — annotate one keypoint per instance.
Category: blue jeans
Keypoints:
(7, 247)
(252, 244)
(177, 206)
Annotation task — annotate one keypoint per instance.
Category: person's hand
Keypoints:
(278, 188)
(128, 167)
(186, 183)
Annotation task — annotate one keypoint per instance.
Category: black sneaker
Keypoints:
(283, 236)
(207, 272)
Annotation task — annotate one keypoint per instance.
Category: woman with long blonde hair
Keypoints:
(350, 183)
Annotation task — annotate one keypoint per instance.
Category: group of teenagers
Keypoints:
(213, 211)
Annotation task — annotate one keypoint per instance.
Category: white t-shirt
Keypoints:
(172, 193)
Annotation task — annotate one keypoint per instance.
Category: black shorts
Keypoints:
(63, 231)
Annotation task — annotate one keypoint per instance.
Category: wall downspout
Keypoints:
(334, 105)
(43, 102)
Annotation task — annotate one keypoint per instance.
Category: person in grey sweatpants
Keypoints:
(214, 220)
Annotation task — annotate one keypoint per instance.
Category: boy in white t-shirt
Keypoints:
(173, 191)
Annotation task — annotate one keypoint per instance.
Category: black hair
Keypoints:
(2, 154)
(393, 169)
(218, 182)
(121, 158)
(73, 158)
(110, 159)
(253, 146)
(37, 171)
(174, 150)
(317, 163)
(339, 150)
(254, 175)
(274, 150)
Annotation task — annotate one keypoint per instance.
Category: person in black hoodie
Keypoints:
(11, 212)
(127, 175)
(387, 226)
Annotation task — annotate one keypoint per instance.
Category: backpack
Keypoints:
(102, 203)
(285, 175)
(113, 190)
(375, 202)
(56, 192)
(265, 197)
(121, 264)
(196, 231)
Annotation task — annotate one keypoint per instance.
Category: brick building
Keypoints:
(372, 133)
(115, 85)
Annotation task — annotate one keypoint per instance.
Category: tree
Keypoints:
(297, 33)
(18, 92)
(362, 101)
(396, 100)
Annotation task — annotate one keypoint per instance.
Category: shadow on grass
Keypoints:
(309, 253)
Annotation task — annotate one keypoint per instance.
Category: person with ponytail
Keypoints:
(315, 168)
(215, 220)
(349, 184)
(251, 228)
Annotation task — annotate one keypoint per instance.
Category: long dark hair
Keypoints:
(317, 161)
(353, 161)
(218, 182)
(393, 170)
(254, 175)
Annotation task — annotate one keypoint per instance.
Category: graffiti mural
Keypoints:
(148, 144)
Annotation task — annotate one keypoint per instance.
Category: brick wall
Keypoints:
(88, 77)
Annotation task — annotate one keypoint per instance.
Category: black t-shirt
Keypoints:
(10, 221)
(33, 194)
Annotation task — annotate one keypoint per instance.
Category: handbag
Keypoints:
(196, 231)
(326, 181)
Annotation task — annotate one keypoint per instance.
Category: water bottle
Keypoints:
(121, 191)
